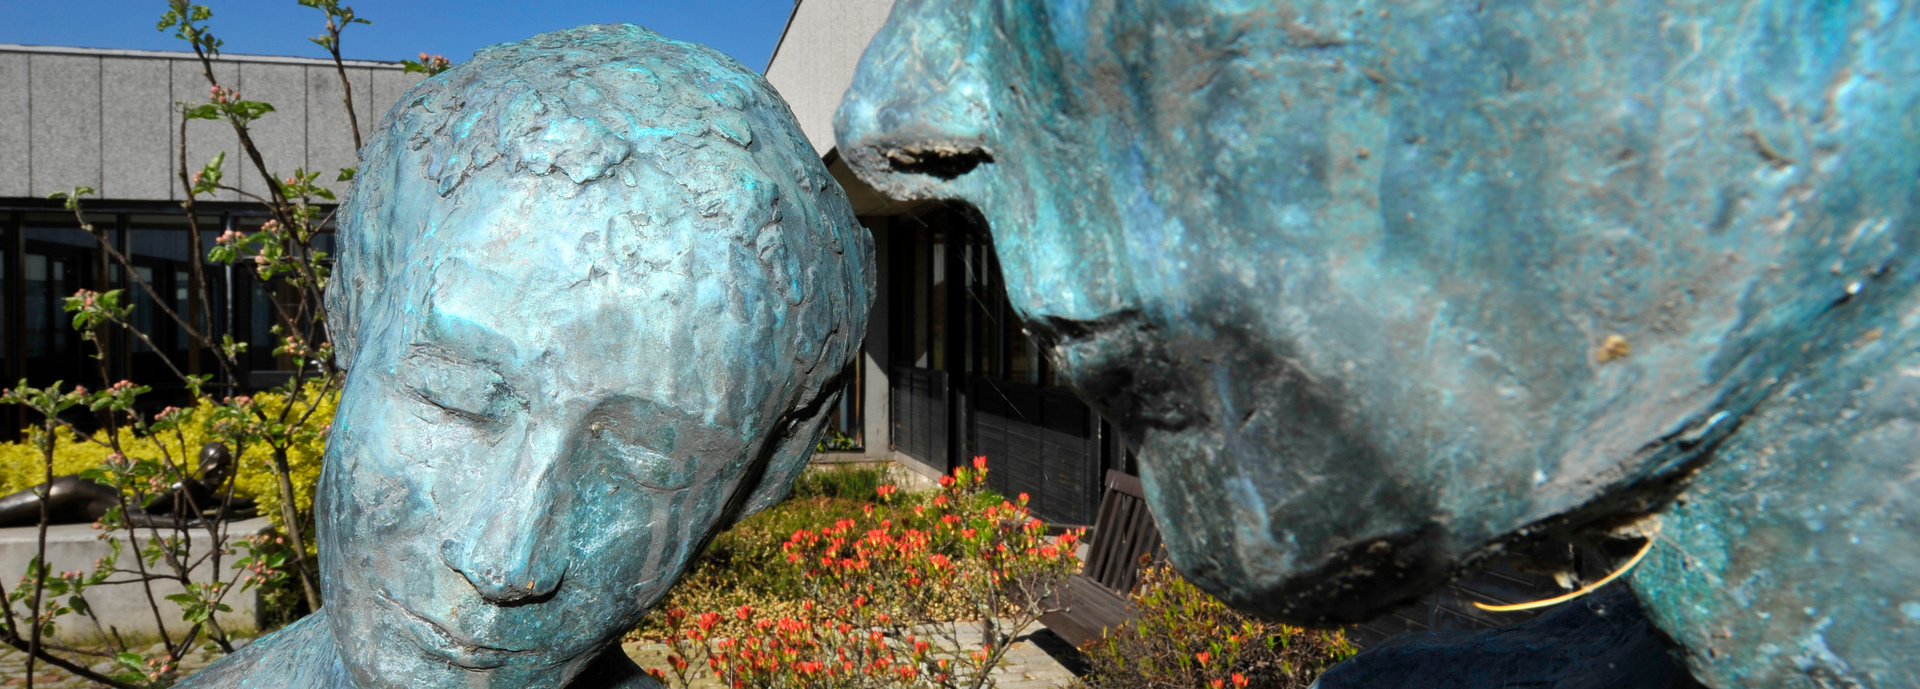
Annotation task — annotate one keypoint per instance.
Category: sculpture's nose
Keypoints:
(512, 549)
(508, 560)
(917, 113)
(942, 107)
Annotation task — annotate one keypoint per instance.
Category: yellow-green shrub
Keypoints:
(21, 464)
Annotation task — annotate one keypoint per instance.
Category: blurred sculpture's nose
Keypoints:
(919, 108)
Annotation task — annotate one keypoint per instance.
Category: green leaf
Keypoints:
(346, 175)
(202, 112)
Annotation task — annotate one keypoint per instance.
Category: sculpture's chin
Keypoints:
(381, 640)
(1231, 541)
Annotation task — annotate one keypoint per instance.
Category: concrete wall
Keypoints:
(106, 119)
(814, 63)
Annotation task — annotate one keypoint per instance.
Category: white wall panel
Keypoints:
(15, 149)
(815, 61)
(280, 135)
(137, 154)
(64, 93)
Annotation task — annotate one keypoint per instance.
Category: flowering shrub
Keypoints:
(178, 434)
(1184, 637)
(930, 594)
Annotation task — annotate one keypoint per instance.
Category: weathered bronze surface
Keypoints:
(1382, 289)
(595, 297)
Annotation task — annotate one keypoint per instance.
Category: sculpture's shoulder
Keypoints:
(300, 656)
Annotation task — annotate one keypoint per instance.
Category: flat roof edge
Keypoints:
(179, 55)
(783, 37)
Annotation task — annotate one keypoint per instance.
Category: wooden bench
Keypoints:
(1095, 600)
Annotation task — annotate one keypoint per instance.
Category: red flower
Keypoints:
(1239, 680)
(980, 462)
(1202, 657)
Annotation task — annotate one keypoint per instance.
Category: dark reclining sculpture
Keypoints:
(75, 500)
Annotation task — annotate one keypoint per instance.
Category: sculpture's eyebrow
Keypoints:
(465, 340)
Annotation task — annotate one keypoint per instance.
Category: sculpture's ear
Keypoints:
(790, 458)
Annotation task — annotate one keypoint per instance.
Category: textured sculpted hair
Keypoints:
(700, 158)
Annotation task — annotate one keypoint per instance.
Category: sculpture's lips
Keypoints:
(1119, 363)
(436, 638)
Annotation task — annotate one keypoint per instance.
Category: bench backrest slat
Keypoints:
(1123, 532)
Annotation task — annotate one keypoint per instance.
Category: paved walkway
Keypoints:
(1026, 665)
(13, 669)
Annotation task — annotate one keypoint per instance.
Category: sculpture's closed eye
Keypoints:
(467, 392)
(648, 467)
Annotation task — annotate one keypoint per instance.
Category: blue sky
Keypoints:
(745, 29)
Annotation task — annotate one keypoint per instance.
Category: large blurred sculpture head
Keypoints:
(594, 296)
(1378, 290)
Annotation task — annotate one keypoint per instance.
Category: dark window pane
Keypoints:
(71, 236)
(180, 281)
(921, 250)
(937, 301)
(166, 245)
(143, 316)
(39, 287)
(263, 318)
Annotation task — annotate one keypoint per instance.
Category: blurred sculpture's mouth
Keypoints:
(457, 649)
(1120, 364)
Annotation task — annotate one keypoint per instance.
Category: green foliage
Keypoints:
(746, 565)
(853, 482)
(226, 105)
(187, 21)
(930, 594)
(1184, 637)
(429, 65)
(337, 18)
(175, 437)
(207, 180)
(835, 441)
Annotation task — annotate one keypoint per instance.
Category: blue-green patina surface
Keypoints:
(1356, 277)
(595, 295)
